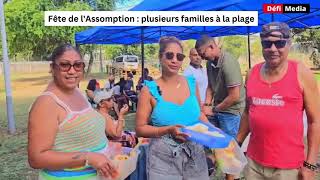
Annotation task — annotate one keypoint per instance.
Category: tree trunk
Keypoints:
(90, 62)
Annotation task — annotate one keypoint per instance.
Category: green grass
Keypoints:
(317, 77)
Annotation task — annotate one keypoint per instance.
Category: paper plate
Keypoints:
(222, 139)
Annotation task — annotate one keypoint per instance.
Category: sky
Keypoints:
(124, 5)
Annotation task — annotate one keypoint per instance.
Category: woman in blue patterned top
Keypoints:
(165, 105)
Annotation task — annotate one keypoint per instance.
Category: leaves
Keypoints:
(26, 33)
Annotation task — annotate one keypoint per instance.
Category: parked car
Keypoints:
(126, 63)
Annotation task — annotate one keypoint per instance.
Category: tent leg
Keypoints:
(142, 53)
(249, 51)
(6, 71)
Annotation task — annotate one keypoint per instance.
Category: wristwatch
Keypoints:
(310, 166)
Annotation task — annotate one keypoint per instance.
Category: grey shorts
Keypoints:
(184, 162)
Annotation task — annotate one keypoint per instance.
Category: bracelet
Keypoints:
(207, 104)
(157, 132)
(310, 166)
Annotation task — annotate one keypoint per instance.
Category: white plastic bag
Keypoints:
(231, 160)
(125, 162)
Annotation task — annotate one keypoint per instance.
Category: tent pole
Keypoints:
(100, 58)
(249, 51)
(6, 71)
(272, 15)
(142, 54)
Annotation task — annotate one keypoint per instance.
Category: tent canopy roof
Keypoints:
(132, 35)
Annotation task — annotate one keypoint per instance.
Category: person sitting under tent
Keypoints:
(145, 77)
(114, 126)
(92, 87)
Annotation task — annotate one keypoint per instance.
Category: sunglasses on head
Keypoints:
(65, 66)
(170, 56)
(279, 44)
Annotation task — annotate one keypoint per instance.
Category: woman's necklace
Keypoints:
(178, 85)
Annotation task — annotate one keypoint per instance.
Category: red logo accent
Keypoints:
(273, 8)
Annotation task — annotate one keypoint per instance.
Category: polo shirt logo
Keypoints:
(275, 100)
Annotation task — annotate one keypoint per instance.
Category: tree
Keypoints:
(236, 45)
(27, 34)
(309, 39)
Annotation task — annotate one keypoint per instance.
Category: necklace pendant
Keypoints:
(178, 85)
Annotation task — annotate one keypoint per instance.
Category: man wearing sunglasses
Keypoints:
(225, 87)
(278, 90)
(196, 70)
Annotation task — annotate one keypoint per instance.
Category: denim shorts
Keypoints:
(187, 161)
(227, 122)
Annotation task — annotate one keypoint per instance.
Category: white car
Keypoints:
(126, 63)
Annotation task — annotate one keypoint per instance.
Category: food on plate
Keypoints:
(204, 129)
(229, 151)
(121, 157)
(214, 133)
(199, 128)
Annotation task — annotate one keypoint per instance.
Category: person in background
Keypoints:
(110, 82)
(66, 136)
(92, 87)
(196, 70)
(225, 87)
(129, 83)
(114, 126)
(121, 85)
(128, 89)
(145, 77)
(278, 90)
(165, 105)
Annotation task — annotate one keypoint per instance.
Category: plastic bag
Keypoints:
(231, 160)
(124, 160)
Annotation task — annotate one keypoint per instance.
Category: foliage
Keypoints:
(26, 32)
(310, 39)
(236, 45)
(256, 48)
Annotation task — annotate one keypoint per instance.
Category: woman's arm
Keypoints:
(115, 129)
(144, 111)
(202, 117)
(42, 130)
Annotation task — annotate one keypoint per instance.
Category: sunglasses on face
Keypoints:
(279, 44)
(170, 56)
(65, 66)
